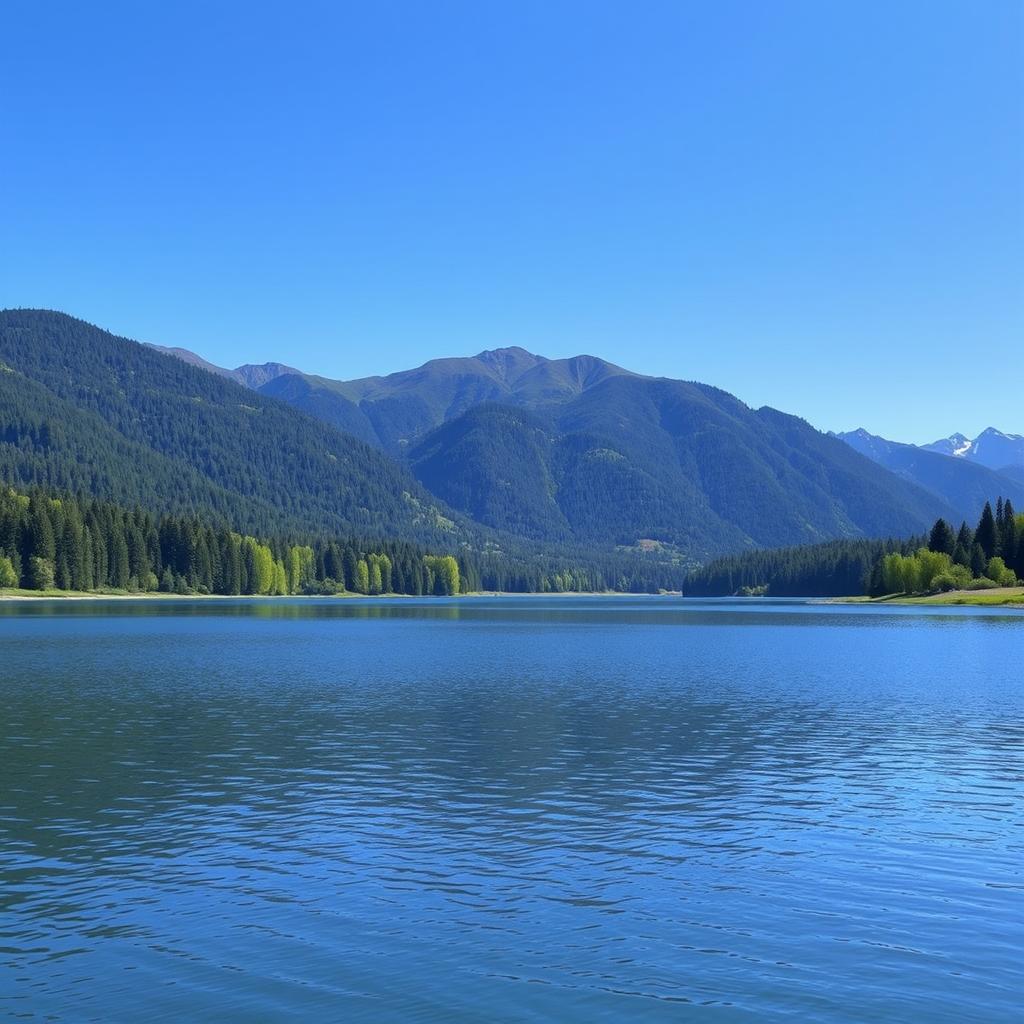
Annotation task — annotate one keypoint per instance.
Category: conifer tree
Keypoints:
(942, 538)
(978, 561)
(986, 535)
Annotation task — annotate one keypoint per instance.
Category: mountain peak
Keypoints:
(509, 363)
(507, 352)
(993, 448)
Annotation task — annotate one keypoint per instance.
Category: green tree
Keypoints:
(42, 542)
(987, 535)
(931, 564)
(442, 574)
(942, 537)
(979, 563)
(8, 577)
(376, 580)
(280, 585)
(41, 573)
(362, 580)
(997, 571)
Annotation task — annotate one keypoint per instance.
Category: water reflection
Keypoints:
(640, 610)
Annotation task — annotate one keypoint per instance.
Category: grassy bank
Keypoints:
(999, 597)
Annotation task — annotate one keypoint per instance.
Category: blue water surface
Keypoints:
(510, 809)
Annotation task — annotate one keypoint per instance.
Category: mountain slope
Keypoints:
(582, 452)
(636, 459)
(963, 484)
(250, 375)
(397, 410)
(124, 421)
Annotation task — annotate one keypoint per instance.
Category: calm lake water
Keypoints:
(510, 810)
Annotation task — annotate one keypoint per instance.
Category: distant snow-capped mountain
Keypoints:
(962, 482)
(990, 448)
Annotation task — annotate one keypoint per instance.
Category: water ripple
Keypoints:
(520, 810)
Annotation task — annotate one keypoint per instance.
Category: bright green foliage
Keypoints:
(929, 565)
(901, 574)
(956, 577)
(998, 572)
(442, 575)
(8, 577)
(362, 580)
(872, 567)
(41, 573)
(301, 569)
(262, 574)
(923, 572)
(280, 585)
(376, 583)
(982, 583)
(826, 570)
(88, 544)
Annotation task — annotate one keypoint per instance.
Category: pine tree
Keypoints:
(42, 542)
(942, 538)
(986, 534)
(979, 562)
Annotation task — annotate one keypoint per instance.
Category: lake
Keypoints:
(510, 809)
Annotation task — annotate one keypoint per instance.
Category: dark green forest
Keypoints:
(52, 542)
(601, 459)
(86, 411)
(992, 554)
(609, 481)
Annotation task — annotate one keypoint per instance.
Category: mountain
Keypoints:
(961, 483)
(581, 451)
(397, 410)
(1015, 473)
(250, 375)
(83, 410)
(991, 448)
(575, 452)
(638, 461)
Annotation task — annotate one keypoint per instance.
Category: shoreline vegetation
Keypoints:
(983, 566)
(54, 544)
(68, 548)
(1005, 597)
(25, 594)
(997, 597)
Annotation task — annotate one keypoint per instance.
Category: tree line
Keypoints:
(50, 541)
(66, 543)
(991, 554)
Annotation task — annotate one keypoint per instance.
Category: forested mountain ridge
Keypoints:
(964, 484)
(85, 413)
(636, 460)
(396, 410)
(580, 450)
(118, 420)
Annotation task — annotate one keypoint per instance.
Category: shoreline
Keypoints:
(997, 597)
(117, 595)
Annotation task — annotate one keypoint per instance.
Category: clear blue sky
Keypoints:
(815, 205)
